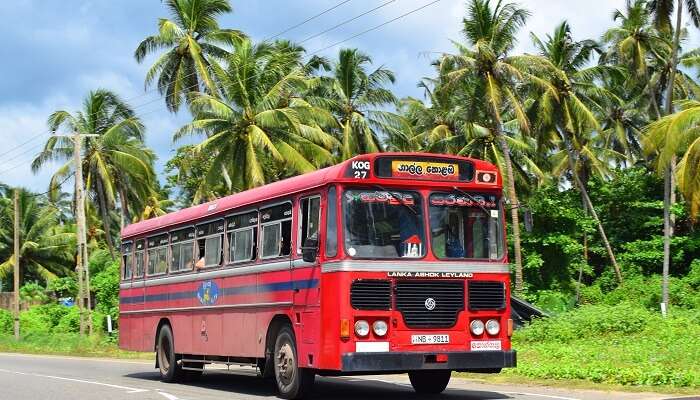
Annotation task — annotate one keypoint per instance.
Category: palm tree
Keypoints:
(565, 110)
(679, 133)
(355, 96)
(662, 11)
(116, 162)
(45, 249)
(484, 66)
(192, 38)
(155, 207)
(638, 46)
(260, 125)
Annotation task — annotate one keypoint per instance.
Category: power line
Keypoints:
(376, 27)
(307, 20)
(347, 21)
(31, 139)
(317, 51)
(189, 75)
(54, 187)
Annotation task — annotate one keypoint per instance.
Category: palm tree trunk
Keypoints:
(571, 156)
(105, 217)
(512, 197)
(585, 251)
(123, 199)
(669, 182)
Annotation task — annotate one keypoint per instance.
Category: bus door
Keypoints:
(306, 275)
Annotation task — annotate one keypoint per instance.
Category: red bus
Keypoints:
(384, 263)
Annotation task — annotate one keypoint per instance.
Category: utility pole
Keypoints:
(84, 303)
(16, 270)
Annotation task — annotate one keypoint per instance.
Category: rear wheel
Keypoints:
(168, 367)
(429, 382)
(292, 382)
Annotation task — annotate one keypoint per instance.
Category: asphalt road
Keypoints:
(65, 378)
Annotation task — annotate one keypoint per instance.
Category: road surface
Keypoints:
(66, 378)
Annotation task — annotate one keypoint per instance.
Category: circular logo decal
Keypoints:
(208, 293)
(430, 304)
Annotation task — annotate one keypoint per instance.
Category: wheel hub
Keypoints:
(285, 364)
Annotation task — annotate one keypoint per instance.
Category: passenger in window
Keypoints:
(200, 264)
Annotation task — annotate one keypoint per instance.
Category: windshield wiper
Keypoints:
(473, 199)
(394, 197)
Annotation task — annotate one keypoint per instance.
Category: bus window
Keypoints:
(276, 223)
(210, 244)
(242, 235)
(331, 224)
(461, 228)
(127, 261)
(310, 214)
(381, 224)
(158, 255)
(182, 250)
(140, 256)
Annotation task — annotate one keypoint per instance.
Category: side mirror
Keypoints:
(309, 250)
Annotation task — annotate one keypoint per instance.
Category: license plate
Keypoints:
(430, 339)
(486, 345)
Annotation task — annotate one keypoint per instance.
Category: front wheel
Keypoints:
(170, 370)
(429, 382)
(292, 382)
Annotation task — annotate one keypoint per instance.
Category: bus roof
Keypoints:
(274, 190)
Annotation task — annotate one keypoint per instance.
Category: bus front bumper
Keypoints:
(472, 361)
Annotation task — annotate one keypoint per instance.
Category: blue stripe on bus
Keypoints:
(229, 291)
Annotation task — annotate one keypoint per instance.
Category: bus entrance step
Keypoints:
(186, 368)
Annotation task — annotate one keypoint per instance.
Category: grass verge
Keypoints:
(69, 344)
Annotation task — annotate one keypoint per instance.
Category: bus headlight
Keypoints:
(362, 328)
(379, 327)
(477, 327)
(493, 327)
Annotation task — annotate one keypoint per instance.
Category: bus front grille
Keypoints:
(370, 294)
(430, 304)
(486, 295)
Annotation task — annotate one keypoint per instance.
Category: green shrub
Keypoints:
(33, 292)
(6, 322)
(34, 321)
(99, 260)
(590, 294)
(63, 287)
(70, 322)
(105, 285)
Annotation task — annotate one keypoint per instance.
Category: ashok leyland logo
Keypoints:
(430, 304)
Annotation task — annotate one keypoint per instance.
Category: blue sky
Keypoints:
(55, 51)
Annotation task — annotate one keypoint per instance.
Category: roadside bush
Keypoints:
(619, 344)
(6, 322)
(63, 287)
(70, 322)
(105, 285)
(33, 292)
(34, 321)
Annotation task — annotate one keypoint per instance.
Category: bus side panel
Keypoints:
(238, 325)
(306, 307)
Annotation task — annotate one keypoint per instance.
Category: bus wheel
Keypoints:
(169, 369)
(429, 382)
(292, 382)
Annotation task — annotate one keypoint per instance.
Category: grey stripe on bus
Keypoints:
(412, 266)
(219, 307)
(227, 271)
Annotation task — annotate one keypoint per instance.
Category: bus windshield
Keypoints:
(466, 226)
(383, 224)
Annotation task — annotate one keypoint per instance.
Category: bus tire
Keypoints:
(170, 370)
(429, 382)
(292, 382)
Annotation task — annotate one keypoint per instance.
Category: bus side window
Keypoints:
(276, 223)
(127, 261)
(242, 236)
(140, 256)
(331, 224)
(310, 213)
(210, 244)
